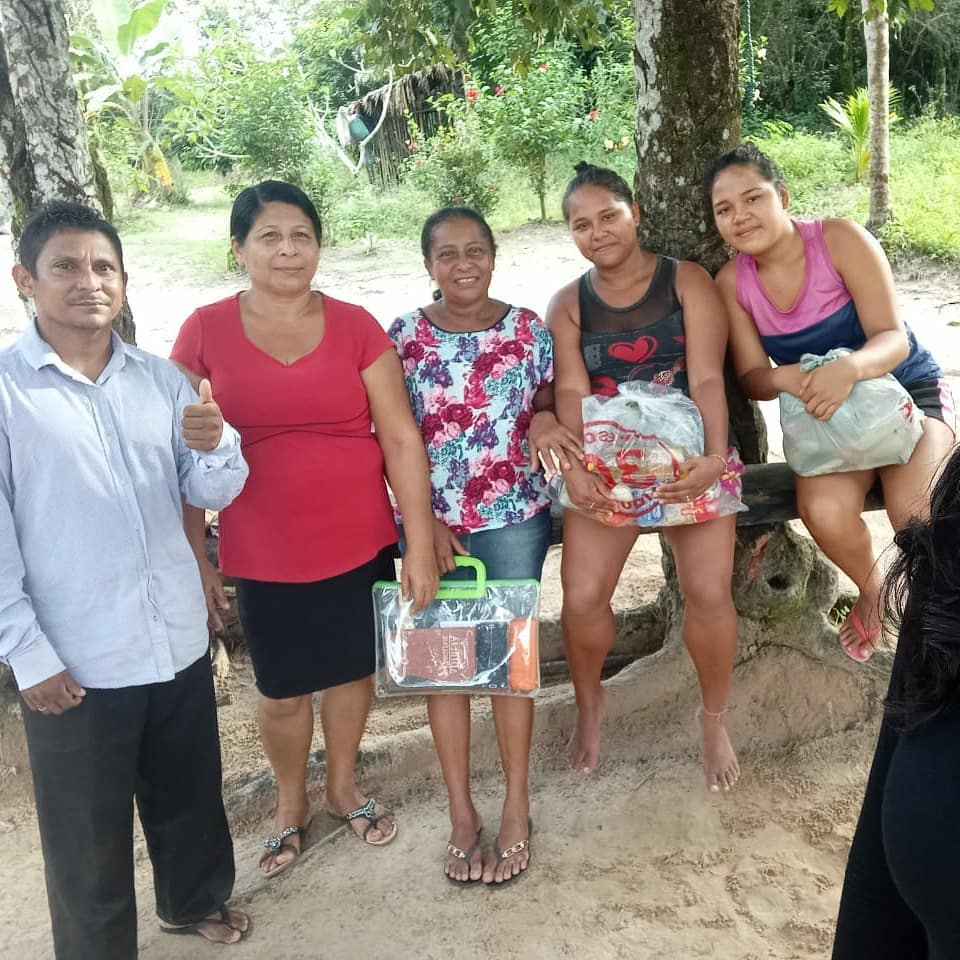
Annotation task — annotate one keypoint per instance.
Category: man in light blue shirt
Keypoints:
(102, 613)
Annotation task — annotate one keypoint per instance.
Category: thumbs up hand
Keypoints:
(203, 421)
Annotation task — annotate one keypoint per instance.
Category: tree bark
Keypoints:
(876, 31)
(688, 111)
(45, 154)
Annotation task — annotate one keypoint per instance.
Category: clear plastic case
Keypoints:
(478, 636)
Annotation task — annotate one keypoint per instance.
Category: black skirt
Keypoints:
(304, 637)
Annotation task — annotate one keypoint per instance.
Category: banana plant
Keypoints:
(121, 71)
(852, 118)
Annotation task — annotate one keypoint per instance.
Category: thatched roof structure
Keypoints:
(408, 95)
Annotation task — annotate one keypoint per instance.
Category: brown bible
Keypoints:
(441, 654)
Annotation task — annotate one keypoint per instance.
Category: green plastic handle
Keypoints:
(465, 590)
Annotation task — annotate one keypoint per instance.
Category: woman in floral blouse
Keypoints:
(478, 371)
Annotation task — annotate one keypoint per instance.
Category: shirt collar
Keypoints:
(38, 353)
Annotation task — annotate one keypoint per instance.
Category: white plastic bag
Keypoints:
(637, 440)
(877, 425)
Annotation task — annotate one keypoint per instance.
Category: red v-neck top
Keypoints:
(315, 503)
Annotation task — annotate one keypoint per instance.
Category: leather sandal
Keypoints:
(368, 812)
(277, 843)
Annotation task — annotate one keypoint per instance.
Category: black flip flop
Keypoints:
(518, 847)
(466, 855)
(194, 928)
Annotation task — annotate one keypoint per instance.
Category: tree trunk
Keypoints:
(688, 111)
(876, 31)
(45, 155)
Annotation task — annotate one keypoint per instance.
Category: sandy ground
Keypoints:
(637, 861)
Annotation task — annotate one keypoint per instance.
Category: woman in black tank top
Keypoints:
(639, 316)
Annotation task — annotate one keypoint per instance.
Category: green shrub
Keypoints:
(529, 118)
(453, 167)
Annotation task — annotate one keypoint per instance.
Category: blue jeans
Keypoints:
(515, 552)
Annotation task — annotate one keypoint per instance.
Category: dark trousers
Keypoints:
(899, 899)
(157, 744)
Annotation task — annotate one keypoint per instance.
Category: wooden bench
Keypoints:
(769, 491)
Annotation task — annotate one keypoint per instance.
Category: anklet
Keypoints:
(702, 711)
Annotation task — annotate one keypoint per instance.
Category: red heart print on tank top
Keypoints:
(641, 349)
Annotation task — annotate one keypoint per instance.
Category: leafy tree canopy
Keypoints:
(895, 9)
(410, 34)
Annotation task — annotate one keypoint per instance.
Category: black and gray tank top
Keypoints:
(645, 341)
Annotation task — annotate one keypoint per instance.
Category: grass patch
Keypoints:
(190, 240)
(924, 179)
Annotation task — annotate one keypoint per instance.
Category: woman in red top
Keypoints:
(305, 378)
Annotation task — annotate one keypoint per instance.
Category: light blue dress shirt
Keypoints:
(96, 575)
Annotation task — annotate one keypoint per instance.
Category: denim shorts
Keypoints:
(515, 552)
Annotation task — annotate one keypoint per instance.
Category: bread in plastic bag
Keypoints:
(876, 426)
(477, 636)
(637, 440)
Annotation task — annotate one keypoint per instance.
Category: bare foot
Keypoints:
(584, 746)
(861, 631)
(720, 764)
(514, 850)
(386, 827)
(465, 840)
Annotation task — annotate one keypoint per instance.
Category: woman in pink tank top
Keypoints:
(807, 287)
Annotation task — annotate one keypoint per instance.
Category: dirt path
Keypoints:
(637, 862)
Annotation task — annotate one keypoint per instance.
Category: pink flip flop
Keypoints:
(859, 655)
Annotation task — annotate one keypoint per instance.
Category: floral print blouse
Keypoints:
(472, 395)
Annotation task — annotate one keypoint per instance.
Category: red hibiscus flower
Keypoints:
(593, 114)
(472, 94)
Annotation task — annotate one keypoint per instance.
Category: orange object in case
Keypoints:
(524, 669)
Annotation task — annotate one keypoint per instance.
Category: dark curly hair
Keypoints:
(922, 594)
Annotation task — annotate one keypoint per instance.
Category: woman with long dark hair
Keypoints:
(899, 898)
